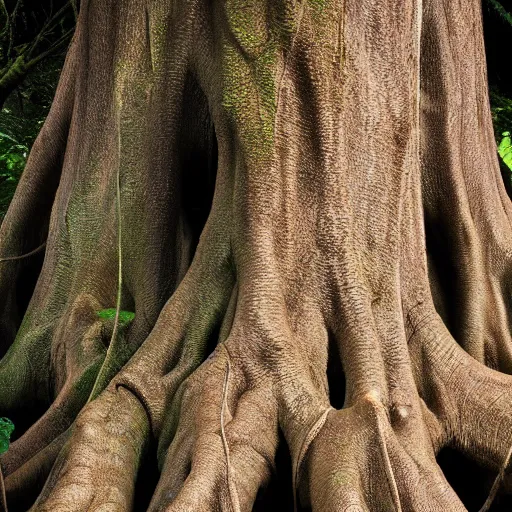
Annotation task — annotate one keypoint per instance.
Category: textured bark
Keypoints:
(347, 298)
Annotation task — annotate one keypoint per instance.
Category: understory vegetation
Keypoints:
(34, 37)
(20, 121)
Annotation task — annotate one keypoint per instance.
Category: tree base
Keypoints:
(347, 293)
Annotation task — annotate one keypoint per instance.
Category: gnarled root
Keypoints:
(223, 449)
(219, 438)
(470, 401)
(359, 462)
(96, 471)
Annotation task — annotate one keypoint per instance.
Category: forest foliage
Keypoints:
(26, 108)
(34, 37)
(21, 119)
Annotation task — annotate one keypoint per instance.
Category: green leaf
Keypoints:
(124, 316)
(505, 143)
(508, 160)
(501, 108)
(505, 149)
(6, 429)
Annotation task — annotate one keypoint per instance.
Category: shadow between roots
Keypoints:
(471, 482)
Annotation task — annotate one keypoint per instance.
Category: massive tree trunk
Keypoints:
(348, 299)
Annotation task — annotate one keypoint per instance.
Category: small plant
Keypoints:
(6, 429)
(125, 317)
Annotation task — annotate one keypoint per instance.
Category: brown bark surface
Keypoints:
(347, 300)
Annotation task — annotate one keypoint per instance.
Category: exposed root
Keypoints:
(228, 462)
(471, 401)
(310, 436)
(70, 354)
(179, 340)
(343, 470)
(98, 465)
(53, 423)
(24, 485)
(2, 490)
(51, 357)
(469, 256)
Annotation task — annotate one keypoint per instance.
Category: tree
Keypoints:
(349, 291)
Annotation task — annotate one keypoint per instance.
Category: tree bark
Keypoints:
(359, 221)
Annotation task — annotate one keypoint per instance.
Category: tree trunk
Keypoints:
(349, 290)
